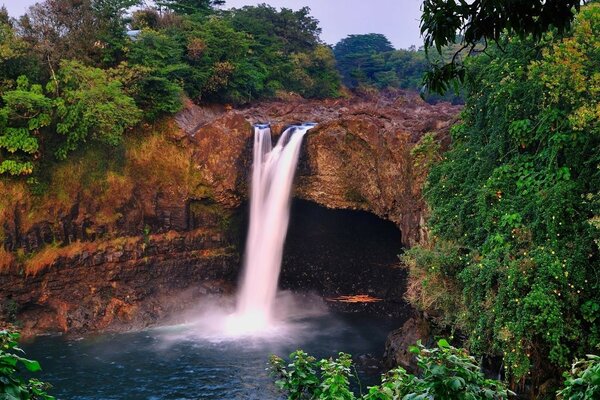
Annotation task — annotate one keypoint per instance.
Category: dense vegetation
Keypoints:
(71, 72)
(479, 23)
(370, 61)
(445, 373)
(513, 258)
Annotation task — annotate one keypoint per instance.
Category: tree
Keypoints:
(190, 6)
(356, 57)
(286, 30)
(26, 110)
(15, 59)
(446, 22)
(227, 70)
(313, 74)
(159, 89)
(90, 106)
(92, 31)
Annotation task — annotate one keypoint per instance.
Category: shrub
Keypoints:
(447, 373)
(583, 381)
(516, 193)
(13, 386)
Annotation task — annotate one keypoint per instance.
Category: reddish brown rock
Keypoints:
(358, 157)
(190, 179)
(114, 288)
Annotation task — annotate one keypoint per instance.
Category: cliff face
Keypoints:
(121, 283)
(115, 235)
(357, 157)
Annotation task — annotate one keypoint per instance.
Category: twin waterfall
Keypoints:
(272, 177)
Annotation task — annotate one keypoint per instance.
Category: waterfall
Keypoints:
(272, 177)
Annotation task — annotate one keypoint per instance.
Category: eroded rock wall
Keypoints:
(123, 284)
(112, 249)
(357, 157)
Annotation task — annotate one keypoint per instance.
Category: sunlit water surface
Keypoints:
(196, 360)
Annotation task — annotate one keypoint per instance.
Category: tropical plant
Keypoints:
(582, 382)
(515, 199)
(12, 385)
(446, 373)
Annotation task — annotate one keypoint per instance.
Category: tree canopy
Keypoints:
(70, 73)
(474, 23)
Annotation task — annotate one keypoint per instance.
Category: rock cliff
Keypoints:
(115, 234)
(357, 157)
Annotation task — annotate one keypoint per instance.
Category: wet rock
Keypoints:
(119, 289)
(398, 342)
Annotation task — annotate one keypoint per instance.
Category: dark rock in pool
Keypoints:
(398, 342)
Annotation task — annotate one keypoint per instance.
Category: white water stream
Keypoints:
(273, 173)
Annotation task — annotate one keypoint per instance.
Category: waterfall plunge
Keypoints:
(272, 177)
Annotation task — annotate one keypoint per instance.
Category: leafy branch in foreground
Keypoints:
(12, 386)
(583, 381)
(479, 22)
(446, 373)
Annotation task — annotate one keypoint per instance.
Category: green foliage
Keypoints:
(446, 22)
(91, 31)
(158, 89)
(25, 111)
(299, 379)
(446, 373)
(90, 106)
(15, 59)
(370, 60)
(285, 30)
(12, 386)
(583, 381)
(232, 76)
(190, 6)
(359, 57)
(516, 194)
(313, 74)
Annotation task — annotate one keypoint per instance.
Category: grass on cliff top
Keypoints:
(102, 179)
(103, 182)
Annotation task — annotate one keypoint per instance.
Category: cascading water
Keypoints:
(272, 177)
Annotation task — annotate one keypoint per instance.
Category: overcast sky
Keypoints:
(397, 19)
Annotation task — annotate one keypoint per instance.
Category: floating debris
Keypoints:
(357, 298)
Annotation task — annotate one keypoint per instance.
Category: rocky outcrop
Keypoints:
(358, 157)
(101, 248)
(125, 283)
(397, 345)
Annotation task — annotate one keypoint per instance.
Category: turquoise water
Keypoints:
(180, 362)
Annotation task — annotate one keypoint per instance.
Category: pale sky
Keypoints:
(397, 19)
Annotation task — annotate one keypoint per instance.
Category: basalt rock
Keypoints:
(120, 286)
(397, 345)
(189, 180)
(357, 157)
